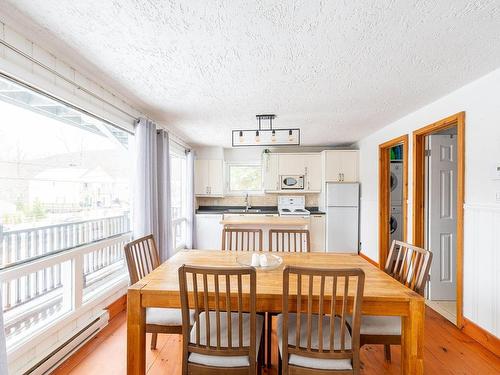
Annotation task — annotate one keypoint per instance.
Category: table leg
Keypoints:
(136, 334)
(412, 339)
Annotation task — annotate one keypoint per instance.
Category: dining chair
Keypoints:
(242, 239)
(290, 240)
(285, 240)
(227, 333)
(313, 337)
(410, 266)
(142, 257)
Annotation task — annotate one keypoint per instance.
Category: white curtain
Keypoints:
(152, 209)
(164, 238)
(190, 200)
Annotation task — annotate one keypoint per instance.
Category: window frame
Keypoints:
(239, 193)
(177, 151)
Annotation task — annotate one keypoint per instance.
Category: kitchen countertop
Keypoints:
(266, 220)
(263, 210)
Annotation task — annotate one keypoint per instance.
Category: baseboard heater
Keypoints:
(65, 350)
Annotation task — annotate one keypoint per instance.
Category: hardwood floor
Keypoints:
(447, 351)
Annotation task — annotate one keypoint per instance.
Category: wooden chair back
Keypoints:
(142, 257)
(219, 290)
(409, 265)
(290, 240)
(242, 239)
(299, 284)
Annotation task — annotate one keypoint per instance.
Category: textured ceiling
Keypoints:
(339, 70)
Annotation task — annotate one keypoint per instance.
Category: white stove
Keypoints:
(290, 205)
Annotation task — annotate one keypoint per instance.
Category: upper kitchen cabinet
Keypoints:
(209, 177)
(341, 166)
(291, 165)
(312, 172)
(270, 169)
(297, 164)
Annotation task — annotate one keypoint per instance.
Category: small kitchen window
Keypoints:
(244, 178)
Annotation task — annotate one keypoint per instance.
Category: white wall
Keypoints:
(480, 101)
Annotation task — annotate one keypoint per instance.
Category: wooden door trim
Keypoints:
(385, 194)
(418, 229)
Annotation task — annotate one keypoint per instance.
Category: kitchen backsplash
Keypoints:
(257, 200)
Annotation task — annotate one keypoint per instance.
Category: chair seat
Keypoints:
(379, 325)
(165, 317)
(225, 361)
(309, 362)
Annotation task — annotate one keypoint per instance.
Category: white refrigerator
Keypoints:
(342, 217)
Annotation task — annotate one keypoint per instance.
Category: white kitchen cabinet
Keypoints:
(209, 177)
(317, 229)
(341, 166)
(270, 169)
(312, 172)
(291, 164)
(208, 231)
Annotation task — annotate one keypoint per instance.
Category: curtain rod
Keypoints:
(49, 69)
(71, 82)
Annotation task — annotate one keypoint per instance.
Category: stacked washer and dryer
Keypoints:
(396, 223)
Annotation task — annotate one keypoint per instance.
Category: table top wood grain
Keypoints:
(163, 282)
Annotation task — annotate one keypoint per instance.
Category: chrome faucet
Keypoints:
(247, 204)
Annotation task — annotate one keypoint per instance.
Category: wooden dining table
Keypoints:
(382, 296)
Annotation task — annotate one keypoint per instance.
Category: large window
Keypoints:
(178, 173)
(244, 178)
(64, 185)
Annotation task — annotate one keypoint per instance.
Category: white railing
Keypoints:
(18, 245)
(41, 291)
(179, 232)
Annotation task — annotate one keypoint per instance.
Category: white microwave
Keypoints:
(292, 182)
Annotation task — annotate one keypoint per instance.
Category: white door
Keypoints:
(208, 231)
(201, 173)
(349, 166)
(317, 229)
(442, 220)
(333, 166)
(291, 164)
(216, 177)
(342, 195)
(342, 229)
(313, 172)
(271, 179)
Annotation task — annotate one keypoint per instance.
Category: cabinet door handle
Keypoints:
(340, 176)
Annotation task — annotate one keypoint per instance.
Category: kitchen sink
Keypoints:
(243, 211)
(236, 210)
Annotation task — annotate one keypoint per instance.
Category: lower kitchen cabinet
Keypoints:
(317, 229)
(208, 231)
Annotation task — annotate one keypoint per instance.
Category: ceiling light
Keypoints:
(266, 135)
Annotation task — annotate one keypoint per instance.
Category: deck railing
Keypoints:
(51, 270)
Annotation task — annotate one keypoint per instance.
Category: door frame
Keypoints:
(384, 196)
(418, 229)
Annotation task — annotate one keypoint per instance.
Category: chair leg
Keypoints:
(280, 364)
(260, 358)
(154, 338)
(269, 339)
(387, 353)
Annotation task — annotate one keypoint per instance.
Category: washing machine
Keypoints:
(396, 183)
(396, 224)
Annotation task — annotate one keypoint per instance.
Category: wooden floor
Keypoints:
(447, 351)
